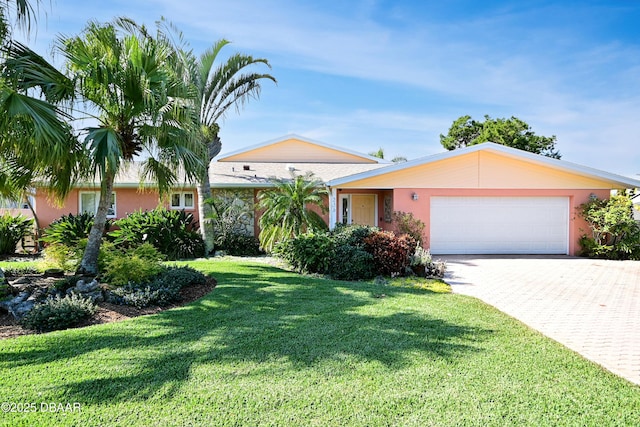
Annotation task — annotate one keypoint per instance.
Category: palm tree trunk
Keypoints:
(37, 222)
(204, 210)
(89, 263)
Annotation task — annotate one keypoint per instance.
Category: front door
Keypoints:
(363, 209)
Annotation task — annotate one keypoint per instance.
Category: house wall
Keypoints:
(403, 201)
(128, 200)
(247, 196)
(481, 170)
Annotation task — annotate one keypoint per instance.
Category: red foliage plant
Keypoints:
(390, 252)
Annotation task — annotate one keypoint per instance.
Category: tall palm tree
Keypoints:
(133, 88)
(220, 86)
(286, 209)
(134, 84)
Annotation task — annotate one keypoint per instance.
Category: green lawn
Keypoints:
(269, 347)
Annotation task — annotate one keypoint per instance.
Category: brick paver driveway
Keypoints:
(590, 306)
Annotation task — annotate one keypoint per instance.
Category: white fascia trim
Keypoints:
(491, 146)
(301, 138)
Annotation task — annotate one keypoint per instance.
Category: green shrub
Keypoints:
(20, 271)
(614, 232)
(173, 233)
(12, 230)
(162, 290)
(351, 263)
(239, 244)
(406, 223)
(58, 313)
(310, 252)
(136, 265)
(70, 229)
(180, 277)
(63, 257)
(391, 253)
(352, 235)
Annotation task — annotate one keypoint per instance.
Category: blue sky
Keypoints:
(365, 74)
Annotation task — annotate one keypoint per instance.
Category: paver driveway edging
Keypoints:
(590, 306)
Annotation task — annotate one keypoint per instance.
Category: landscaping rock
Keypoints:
(54, 272)
(81, 287)
(95, 296)
(22, 284)
(18, 305)
(3, 280)
(87, 290)
(18, 311)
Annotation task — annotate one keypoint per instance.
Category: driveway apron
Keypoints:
(590, 306)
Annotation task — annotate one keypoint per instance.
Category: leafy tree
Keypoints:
(511, 132)
(132, 84)
(286, 212)
(379, 153)
(614, 232)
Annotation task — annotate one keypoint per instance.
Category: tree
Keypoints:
(219, 86)
(132, 85)
(286, 209)
(511, 132)
(36, 142)
(379, 153)
(614, 232)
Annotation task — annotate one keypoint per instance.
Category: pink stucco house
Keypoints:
(484, 199)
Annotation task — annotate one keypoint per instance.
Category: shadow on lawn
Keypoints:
(261, 314)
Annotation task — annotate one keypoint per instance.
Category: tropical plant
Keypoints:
(174, 233)
(12, 230)
(287, 211)
(219, 85)
(36, 141)
(228, 219)
(133, 85)
(614, 232)
(70, 229)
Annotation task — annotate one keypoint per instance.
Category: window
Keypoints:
(13, 204)
(182, 200)
(89, 203)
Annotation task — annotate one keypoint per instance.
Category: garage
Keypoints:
(499, 225)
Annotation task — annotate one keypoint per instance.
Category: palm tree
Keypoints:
(286, 212)
(132, 86)
(219, 87)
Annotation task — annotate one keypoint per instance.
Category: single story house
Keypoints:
(484, 199)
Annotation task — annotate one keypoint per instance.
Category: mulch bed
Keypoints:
(108, 312)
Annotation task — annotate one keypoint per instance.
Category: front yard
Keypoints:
(270, 347)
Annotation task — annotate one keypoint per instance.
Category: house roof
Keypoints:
(295, 148)
(129, 176)
(259, 174)
(561, 165)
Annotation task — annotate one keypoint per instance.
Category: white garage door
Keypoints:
(499, 225)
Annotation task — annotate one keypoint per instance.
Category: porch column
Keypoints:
(333, 195)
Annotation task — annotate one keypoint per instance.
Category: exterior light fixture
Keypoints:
(414, 196)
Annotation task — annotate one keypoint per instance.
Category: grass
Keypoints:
(269, 347)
